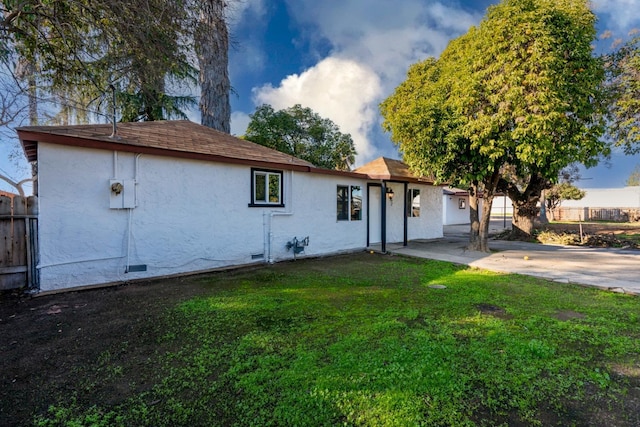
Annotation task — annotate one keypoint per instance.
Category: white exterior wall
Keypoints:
(190, 216)
(452, 214)
(314, 214)
(626, 197)
(427, 226)
(501, 207)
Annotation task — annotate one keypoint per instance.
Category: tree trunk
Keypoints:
(543, 208)
(212, 48)
(524, 214)
(474, 216)
(479, 233)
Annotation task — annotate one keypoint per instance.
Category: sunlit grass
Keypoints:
(368, 342)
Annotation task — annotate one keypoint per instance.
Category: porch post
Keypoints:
(383, 214)
(406, 212)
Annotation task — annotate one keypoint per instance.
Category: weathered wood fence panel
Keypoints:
(597, 214)
(18, 242)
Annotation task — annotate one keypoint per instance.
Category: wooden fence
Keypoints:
(18, 242)
(597, 214)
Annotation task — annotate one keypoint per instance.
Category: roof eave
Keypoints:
(30, 139)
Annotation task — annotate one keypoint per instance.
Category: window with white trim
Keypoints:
(349, 203)
(266, 188)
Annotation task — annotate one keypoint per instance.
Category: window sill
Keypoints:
(266, 205)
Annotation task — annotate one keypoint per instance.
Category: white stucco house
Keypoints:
(173, 197)
(455, 206)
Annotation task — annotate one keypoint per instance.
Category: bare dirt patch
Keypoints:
(594, 234)
(493, 310)
(56, 345)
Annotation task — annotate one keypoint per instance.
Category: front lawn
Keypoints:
(359, 340)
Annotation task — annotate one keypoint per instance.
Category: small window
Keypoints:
(356, 203)
(349, 203)
(266, 188)
(413, 202)
(343, 203)
(462, 204)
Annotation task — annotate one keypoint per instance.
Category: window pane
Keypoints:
(356, 203)
(260, 187)
(343, 203)
(413, 202)
(274, 188)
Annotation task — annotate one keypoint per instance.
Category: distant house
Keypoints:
(455, 206)
(174, 197)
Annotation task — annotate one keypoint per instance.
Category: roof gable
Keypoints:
(390, 170)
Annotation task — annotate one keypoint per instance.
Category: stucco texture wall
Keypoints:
(190, 216)
(453, 214)
(426, 226)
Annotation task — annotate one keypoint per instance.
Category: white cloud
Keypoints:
(387, 36)
(239, 123)
(339, 89)
(622, 14)
(237, 8)
(373, 43)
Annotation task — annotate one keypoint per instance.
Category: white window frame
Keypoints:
(350, 204)
(268, 174)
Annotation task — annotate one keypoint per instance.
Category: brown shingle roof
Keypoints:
(179, 138)
(185, 139)
(389, 169)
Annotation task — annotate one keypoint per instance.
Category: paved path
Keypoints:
(611, 269)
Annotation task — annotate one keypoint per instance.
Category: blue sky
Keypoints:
(343, 57)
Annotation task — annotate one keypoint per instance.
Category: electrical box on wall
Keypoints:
(123, 193)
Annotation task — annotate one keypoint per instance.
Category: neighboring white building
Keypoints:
(625, 197)
(174, 197)
(455, 206)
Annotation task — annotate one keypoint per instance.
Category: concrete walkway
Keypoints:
(610, 269)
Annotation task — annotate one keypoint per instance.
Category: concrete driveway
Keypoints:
(610, 269)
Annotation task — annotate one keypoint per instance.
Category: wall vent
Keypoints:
(257, 256)
(134, 268)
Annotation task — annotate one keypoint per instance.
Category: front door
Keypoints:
(374, 218)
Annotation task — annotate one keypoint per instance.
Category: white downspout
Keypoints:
(288, 212)
(135, 203)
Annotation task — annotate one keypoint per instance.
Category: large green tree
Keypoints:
(624, 86)
(78, 48)
(505, 107)
(301, 132)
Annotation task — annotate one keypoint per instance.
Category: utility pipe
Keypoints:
(271, 214)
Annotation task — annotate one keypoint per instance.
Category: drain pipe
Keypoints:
(271, 214)
(135, 202)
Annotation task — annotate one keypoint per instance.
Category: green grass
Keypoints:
(635, 238)
(369, 343)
